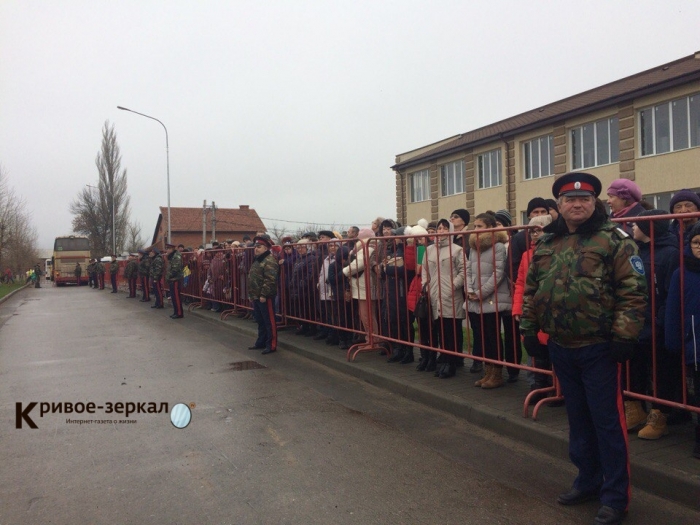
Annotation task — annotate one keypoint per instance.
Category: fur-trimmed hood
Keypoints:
(486, 240)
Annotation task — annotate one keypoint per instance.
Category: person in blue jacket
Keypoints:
(683, 332)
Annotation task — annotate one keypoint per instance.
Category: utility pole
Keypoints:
(204, 224)
(213, 221)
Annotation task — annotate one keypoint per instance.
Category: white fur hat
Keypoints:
(423, 223)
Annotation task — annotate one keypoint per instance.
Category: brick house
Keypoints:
(187, 228)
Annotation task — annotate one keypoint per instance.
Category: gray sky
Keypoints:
(296, 108)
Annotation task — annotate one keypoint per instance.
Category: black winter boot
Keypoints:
(407, 356)
(397, 354)
(432, 361)
(696, 450)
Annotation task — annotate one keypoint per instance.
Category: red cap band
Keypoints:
(577, 186)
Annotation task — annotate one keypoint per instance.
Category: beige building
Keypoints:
(645, 127)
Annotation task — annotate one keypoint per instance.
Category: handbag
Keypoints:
(422, 310)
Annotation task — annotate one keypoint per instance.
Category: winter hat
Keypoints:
(551, 205)
(541, 221)
(447, 223)
(462, 214)
(685, 195)
(401, 230)
(365, 233)
(423, 223)
(417, 230)
(537, 202)
(660, 225)
(504, 217)
(305, 240)
(626, 190)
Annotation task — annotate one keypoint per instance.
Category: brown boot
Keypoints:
(634, 414)
(487, 374)
(496, 378)
(655, 427)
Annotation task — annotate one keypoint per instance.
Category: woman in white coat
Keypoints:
(358, 271)
(443, 269)
(488, 292)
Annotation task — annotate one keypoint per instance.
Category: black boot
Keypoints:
(407, 356)
(397, 354)
(432, 364)
(423, 362)
(449, 370)
(477, 367)
(696, 450)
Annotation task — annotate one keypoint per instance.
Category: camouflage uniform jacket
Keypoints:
(99, 268)
(113, 268)
(156, 270)
(132, 269)
(91, 268)
(262, 277)
(144, 266)
(174, 267)
(586, 287)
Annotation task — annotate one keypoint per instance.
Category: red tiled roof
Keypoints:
(227, 219)
(667, 75)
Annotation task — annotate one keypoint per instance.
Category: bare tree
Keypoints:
(103, 209)
(134, 241)
(18, 236)
(277, 232)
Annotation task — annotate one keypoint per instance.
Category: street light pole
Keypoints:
(167, 157)
(114, 241)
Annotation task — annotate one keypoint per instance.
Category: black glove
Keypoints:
(621, 351)
(534, 348)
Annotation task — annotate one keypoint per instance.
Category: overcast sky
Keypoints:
(296, 108)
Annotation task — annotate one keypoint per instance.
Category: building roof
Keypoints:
(652, 80)
(228, 220)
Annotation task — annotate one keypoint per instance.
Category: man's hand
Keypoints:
(533, 347)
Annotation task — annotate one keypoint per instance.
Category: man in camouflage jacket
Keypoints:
(131, 272)
(100, 272)
(113, 272)
(174, 277)
(144, 272)
(586, 289)
(262, 289)
(156, 276)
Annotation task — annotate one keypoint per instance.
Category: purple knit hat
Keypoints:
(685, 195)
(626, 190)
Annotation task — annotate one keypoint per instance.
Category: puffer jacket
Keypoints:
(447, 283)
(356, 270)
(486, 273)
(685, 329)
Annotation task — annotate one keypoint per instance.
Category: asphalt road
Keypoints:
(292, 442)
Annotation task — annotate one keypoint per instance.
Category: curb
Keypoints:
(13, 293)
(669, 483)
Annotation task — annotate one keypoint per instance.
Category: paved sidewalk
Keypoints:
(665, 467)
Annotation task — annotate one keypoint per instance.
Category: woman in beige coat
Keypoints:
(358, 271)
(443, 269)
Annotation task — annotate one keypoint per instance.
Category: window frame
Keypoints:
(613, 154)
(673, 133)
(528, 174)
(494, 153)
(424, 175)
(455, 176)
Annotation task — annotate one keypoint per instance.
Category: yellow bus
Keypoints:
(67, 251)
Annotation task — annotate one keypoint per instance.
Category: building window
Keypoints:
(595, 144)
(670, 126)
(419, 183)
(538, 156)
(452, 178)
(489, 169)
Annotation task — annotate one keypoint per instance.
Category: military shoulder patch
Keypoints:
(637, 264)
(622, 233)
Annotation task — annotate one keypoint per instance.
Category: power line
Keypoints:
(313, 222)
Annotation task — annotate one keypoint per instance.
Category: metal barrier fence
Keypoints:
(361, 295)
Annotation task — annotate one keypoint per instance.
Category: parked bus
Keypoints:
(67, 251)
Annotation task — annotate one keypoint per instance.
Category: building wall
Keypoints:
(654, 174)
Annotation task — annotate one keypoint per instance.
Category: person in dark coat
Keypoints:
(340, 301)
(684, 201)
(683, 325)
(303, 289)
(398, 320)
(666, 258)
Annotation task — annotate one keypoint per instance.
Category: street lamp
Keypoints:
(114, 239)
(167, 156)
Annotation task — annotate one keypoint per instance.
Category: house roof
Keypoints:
(228, 220)
(652, 80)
